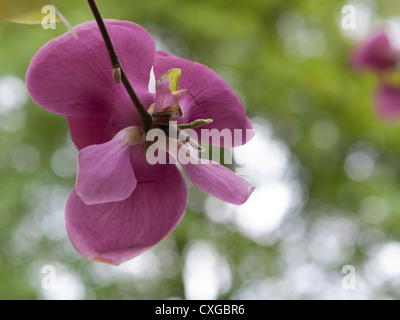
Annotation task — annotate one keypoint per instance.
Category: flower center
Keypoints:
(166, 107)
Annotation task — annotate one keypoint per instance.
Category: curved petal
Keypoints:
(73, 77)
(118, 231)
(210, 176)
(387, 101)
(87, 131)
(208, 97)
(105, 171)
(218, 181)
(376, 54)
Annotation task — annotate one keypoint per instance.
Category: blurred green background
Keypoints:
(326, 168)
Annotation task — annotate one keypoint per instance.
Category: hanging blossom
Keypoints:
(378, 55)
(121, 204)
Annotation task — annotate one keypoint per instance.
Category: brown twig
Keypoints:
(147, 123)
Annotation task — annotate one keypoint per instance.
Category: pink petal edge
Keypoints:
(118, 231)
(105, 172)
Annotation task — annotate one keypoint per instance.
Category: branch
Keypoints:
(118, 71)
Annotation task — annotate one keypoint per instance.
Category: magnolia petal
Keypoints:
(218, 181)
(73, 77)
(105, 171)
(86, 131)
(118, 231)
(210, 176)
(208, 97)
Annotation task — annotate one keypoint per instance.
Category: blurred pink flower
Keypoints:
(121, 205)
(387, 100)
(378, 55)
(375, 54)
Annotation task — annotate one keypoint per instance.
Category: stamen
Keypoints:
(195, 124)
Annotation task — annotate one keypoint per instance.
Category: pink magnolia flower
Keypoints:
(375, 54)
(121, 205)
